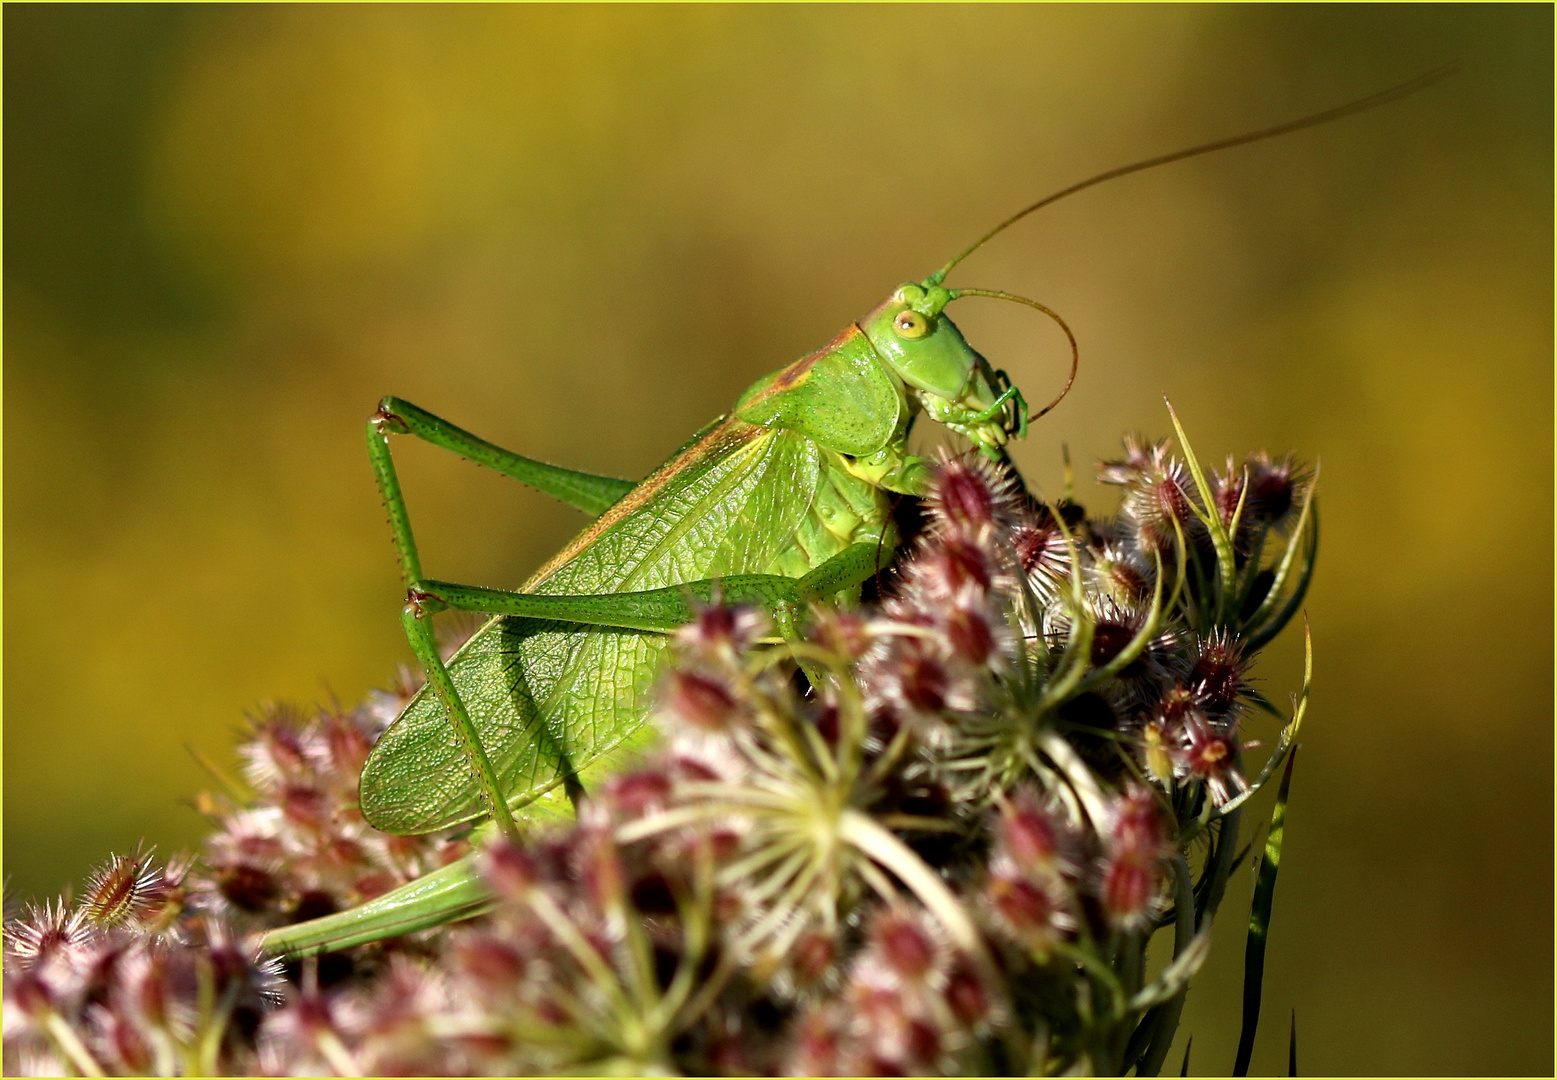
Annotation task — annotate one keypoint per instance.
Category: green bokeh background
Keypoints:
(582, 231)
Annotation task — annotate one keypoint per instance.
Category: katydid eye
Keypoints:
(910, 324)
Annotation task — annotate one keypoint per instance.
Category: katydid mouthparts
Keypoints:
(783, 502)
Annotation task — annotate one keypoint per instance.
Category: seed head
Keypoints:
(1139, 827)
(697, 701)
(923, 681)
(247, 886)
(1274, 489)
(28, 1001)
(819, 1045)
(1111, 635)
(812, 957)
(305, 1038)
(946, 567)
(494, 962)
(119, 1040)
(842, 631)
(1031, 909)
(1121, 575)
(968, 997)
(50, 944)
(1130, 881)
(1128, 891)
(889, 1034)
(1216, 676)
(1030, 833)
(977, 634)
(1156, 495)
(1211, 754)
(124, 888)
(276, 749)
(1042, 551)
(347, 743)
(509, 868)
(391, 1022)
(969, 494)
(718, 633)
(636, 794)
(906, 944)
(1139, 458)
(1114, 627)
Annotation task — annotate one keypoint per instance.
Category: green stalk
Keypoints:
(1259, 924)
(1221, 866)
(1211, 518)
(59, 1032)
(456, 891)
(1166, 1021)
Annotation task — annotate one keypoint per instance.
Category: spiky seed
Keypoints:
(44, 932)
(970, 494)
(843, 632)
(1030, 835)
(248, 887)
(509, 868)
(1274, 487)
(812, 957)
(1217, 674)
(1139, 827)
(967, 997)
(637, 794)
(1029, 910)
(1129, 886)
(697, 700)
(904, 944)
(969, 636)
(720, 632)
(124, 888)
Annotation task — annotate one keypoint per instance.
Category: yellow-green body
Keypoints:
(796, 477)
(786, 499)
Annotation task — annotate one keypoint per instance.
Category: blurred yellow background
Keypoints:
(582, 231)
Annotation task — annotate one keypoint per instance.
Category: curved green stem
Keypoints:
(1165, 1024)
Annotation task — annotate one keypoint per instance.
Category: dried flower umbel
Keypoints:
(935, 834)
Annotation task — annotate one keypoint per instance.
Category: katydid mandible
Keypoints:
(783, 502)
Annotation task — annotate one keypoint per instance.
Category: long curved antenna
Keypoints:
(1383, 97)
(1075, 350)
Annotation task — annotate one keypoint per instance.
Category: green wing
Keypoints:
(552, 698)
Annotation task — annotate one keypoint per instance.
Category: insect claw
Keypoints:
(389, 422)
(420, 602)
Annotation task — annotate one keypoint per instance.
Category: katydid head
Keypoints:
(942, 373)
(926, 350)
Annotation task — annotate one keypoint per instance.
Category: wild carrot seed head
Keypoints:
(124, 888)
(968, 494)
